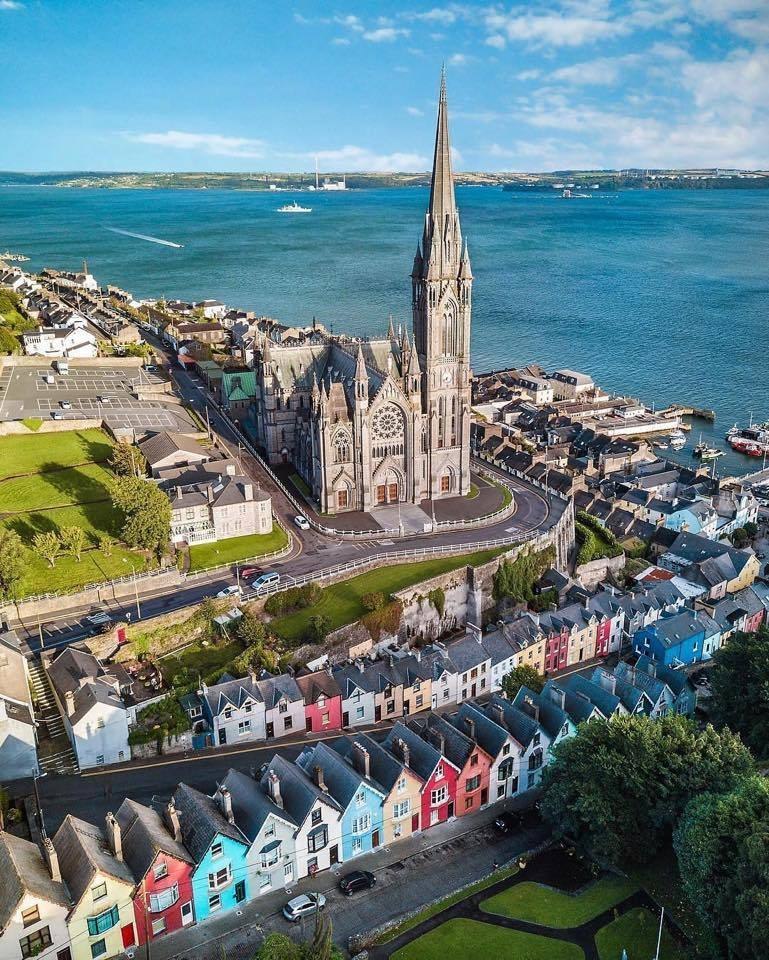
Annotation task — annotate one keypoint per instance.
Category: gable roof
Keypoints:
(24, 870)
(162, 445)
(84, 853)
(580, 686)
(552, 716)
(385, 767)
(519, 724)
(298, 790)
(423, 757)
(251, 805)
(201, 821)
(317, 684)
(144, 836)
(341, 778)
(457, 746)
(488, 734)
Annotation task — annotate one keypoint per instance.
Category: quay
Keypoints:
(681, 410)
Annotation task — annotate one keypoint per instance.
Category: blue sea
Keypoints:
(663, 295)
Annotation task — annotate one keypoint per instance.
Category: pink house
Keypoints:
(437, 773)
(322, 701)
(162, 869)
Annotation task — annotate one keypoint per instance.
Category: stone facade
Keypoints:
(386, 420)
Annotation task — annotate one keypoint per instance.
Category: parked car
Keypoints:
(248, 573)
(302, 522)
(104, 399)
(357, 880)
(100, 621)
(268, 579)
(57, 415)
(150, 368)
(228, 592)
(65, 404)
(507, 822)
(303, 905)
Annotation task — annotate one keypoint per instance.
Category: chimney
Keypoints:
(252, 674)
(470, 724)
(608, 681)
(401, 749)
(114, 836)
(360, 665)
(557, 696)
(52, 859)
(273, 788)
(174, 824)
(361, 759)
(498, 714)
(224, 799)
(439, 740)
(248, 491)
(69, 702)
(317, 776)
(531, 708)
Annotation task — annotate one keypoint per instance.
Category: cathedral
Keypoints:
(368, 422)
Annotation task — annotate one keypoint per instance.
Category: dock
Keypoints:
(681, 410)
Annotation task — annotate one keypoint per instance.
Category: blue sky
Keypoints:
(238, 85)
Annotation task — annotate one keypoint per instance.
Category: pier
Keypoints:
(681, 410)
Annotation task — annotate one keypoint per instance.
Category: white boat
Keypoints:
(661, 444)
(677, 440)
(294, 208)
(13, 257)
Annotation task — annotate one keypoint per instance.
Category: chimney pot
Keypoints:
(361, 759)
(320, 781)
(114, 836)
(174, 823)
(69, 702)
(52, 859)
(225, 804)
(273, 788)
(402, 750)
(470, 724)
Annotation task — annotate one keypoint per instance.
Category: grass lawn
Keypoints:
(662, 880)
(200, 659)
(236, 548)
(472, 493)
(470, 940)
(55, 488)
(507, 496)
(636, 932)
(51, 451)
(341, 602)
(551, 908)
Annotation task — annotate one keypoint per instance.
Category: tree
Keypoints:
(250, 629)
(146, 512)
(722, 844)
(73, 540)
(8, 343)
(13, 563)
(617, 788)
(373, 601)
(48, 545)
(128, 461)
(321, 947)
(740, 537)
(106, 544)
(318, 628)
(523, 676)
(751, 529)
(740, 681)
(515, 579)
(277, 946)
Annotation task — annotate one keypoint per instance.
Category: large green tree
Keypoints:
(13, 563)
(128, 461)
(523, 676)
(277, 946)
(619, 787)
(740, 685)
(722, 845)
(146, 512)
(73, 540)
(48, 545)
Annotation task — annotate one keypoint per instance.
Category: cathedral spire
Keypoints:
(391, 329)
(361, 373)
(442, 239)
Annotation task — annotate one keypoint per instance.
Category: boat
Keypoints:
(566, 194)
(677, 440)
(13, 257)
(706, 452)
(661, 444)
(752, 440)
(294, 208)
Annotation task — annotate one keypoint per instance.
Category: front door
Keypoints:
(377, 713)
(484, 796)
(333, 854)
(187, 913)
(392, 493)
(415, 823)
(381, 493)
(128, 935)
(270, 730)
(240, 891)
(375, 839)
(474, 690)
(345, 719)
(309, 725)
(450, 810)
(222, 735)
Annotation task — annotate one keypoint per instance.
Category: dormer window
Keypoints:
(360, 798)
(216, 851)
(283, 707)
(321, 701)
(317, 815)
(439, 772)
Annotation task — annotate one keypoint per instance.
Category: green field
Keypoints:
(55, 480)
(470, 940)
(636, 932)
(236, 548)
(341, 602)
(551, 908)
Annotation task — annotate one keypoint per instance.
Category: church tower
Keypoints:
(441, 302)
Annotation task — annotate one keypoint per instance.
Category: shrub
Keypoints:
(437, 598)
(386, 619)
(373, 601)
(296, 598)
(318, 628)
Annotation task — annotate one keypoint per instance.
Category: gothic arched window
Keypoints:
(388, 430)
(449, 331)
(341, 447)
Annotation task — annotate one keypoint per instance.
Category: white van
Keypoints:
(63, 367)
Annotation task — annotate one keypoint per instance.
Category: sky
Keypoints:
(251, 85)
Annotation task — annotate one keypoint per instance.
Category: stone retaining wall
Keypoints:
(593, 573)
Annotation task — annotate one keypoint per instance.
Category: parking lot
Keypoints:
(87, 393)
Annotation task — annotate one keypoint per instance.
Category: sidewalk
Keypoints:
(410, 874)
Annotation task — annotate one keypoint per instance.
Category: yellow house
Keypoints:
(527, 641)
(746, 576)
(101, 921)
(417, 683)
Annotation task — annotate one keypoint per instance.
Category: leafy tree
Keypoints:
(277, 946)
(523, 676)
(751, 529)
(515, 579)
(48, 545)
(128, 461)
(107, 544)
(740, 681)
(250, 629)
(722, 845)
(618, 787)
(321, 947)
(146, 512)
(13, 564)
(73, 540)
(740, 537)
(8, 343)
(373, 601)
(318, 628)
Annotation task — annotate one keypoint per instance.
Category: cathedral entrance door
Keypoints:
(392, 493)
(381, 493)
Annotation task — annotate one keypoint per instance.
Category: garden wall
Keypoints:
(593, 573)
(178, 744)
(9, 427)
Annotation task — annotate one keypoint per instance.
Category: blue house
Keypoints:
(361, 799)
(219, 878)
(673, 640)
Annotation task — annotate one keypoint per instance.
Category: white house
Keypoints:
(91, 702)
(261, 817)
(444, 675)
(76, 342)
(18, 740)
(34, 901)
(358, 695)
(234, 710)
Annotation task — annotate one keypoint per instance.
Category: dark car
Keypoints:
(357, 880)
(507, 822)
(248, 573)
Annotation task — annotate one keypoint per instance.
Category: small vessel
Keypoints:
(661, 444)
(294, 208)
(13, 257)
(752, 440)
(566, 194)
(706, 452)
(677, 440)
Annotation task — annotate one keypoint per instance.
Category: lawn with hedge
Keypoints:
(471, 940)
(250, 547)
(636, 931)
(535, 903)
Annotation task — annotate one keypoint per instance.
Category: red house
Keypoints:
(322, 701)
(437, 773)
(162, 868)
(603, 637)
(461, 750)
(556, 648)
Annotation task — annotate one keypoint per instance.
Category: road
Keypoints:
(311, 551)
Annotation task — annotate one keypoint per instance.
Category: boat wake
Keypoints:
(143, 236)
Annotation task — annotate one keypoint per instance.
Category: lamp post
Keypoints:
(659, 934)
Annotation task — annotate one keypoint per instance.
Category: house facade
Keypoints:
(217, 508)
(438, 775)
(322, 701)
(235, 710)
(18, 733)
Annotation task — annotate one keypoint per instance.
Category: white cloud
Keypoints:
(458, 60)
(741, 79)
(443, 15)
(525, 75)
(602, 72)
(211, 143)
(11, 5)
(351, 157)
(415, 112)
(385, 34)
(341, 41)
(553, 29)
(351, 22)
(497, 41)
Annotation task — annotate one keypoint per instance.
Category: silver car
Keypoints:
(303, 906)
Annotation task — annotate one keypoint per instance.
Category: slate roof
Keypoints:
(351, 677)
(219, 491)
(317, 684)
(201, 821)
(299, 792)
(606, 701)
(251, 805)
(551, 716)
(165, 444)
(81, 673)
(385, 767)
(629, 694)
(275, 689)
(519, 724)
(457, 748)
(677, 680)
(497, 646)
(423, 757)
(676, 629)
(652, 685)
(84, 853)
(411, 669)
(466, 653)
(24, 870)
(144, 836)
(488, 734)
(341, 778)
